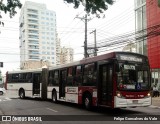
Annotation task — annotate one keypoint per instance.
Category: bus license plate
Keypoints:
(134, 101)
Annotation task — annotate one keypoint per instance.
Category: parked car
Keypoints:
(2, 90)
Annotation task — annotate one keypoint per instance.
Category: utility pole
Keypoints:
(85, 37)
(85, 40)
(95, 43)
(130, 46)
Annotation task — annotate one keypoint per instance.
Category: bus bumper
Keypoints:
(122, 102)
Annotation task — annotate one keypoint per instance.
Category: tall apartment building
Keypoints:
(58, 50)
(37, 34)
(66, 55)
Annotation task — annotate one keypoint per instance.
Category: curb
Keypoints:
(153, 106)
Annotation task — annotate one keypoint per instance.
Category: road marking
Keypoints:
(51, 109)
(5, 99)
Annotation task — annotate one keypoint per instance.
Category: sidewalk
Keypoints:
(156, 101)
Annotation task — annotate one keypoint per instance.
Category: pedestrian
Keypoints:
(155, 91)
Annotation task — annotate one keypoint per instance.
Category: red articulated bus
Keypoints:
(116, 80)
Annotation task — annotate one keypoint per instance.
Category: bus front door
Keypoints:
(36, 83)
(105, 84)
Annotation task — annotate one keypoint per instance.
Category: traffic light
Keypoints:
(1, 64)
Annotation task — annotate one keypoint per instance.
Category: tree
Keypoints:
(92, 6)
(9, 6)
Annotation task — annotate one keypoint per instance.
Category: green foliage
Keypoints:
(92, 6)
(159, 3)
(10, 7)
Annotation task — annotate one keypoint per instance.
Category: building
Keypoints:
(34, 64)
(148, 23)
(58, 50)
(0, 77)
(37, 34)
(130, 47)
(141, 24)
(66, 55)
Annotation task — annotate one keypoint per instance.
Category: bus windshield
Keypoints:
(133, 77)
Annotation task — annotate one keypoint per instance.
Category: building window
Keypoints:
(33, 26)
(33, 36)
(32, 21)
(32, 10)
(33, 16)
(43, 52)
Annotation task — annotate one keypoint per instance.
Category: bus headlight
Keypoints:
(148, 94)
(119, 94)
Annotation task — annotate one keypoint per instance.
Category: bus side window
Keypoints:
(90, 74)
(9, 80)
(56, 77)
(70, 76)
(29, 77)
(22, 77)
(25, 77)
(15, 77)
(78, 75)
(51, 78)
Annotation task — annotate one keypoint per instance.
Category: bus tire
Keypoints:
(1, 92)
(87, 101)
(54, 97)
(22, 94)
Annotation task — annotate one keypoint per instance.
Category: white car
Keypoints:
(2, 90)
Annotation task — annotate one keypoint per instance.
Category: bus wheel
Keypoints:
(54, 96)
(1, 92)
(88, 101)
(22, 94)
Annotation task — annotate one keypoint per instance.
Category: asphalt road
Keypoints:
(71, 113)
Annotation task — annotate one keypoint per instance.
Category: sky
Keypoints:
(118, 19)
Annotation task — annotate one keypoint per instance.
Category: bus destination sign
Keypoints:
(130, 58)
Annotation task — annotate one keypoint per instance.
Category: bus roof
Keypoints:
(25, 71)
(86, 60)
